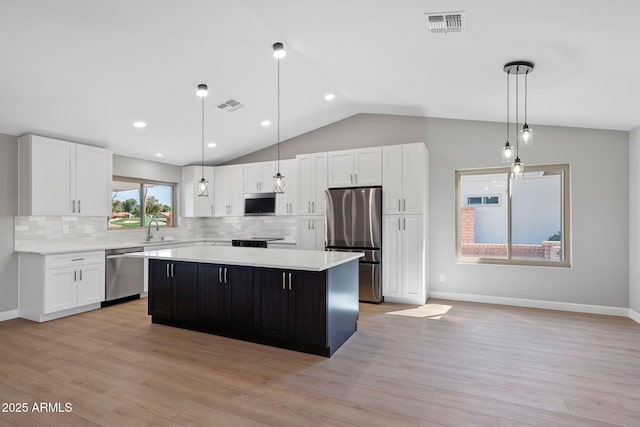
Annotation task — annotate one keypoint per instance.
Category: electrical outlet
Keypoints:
(442, 277)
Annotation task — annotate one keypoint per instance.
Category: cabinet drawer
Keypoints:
(72, 259)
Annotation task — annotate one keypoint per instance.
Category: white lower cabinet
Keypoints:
(310, 233)
(53, 286)
(404, 259)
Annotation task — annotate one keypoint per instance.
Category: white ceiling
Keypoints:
(85, 70)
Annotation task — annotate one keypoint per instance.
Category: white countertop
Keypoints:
(39, 248)
(254, 257)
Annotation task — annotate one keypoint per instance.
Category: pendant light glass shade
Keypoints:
(278, 178)
(507, 153)
(202, 187)
(526, 135)
(517, 167)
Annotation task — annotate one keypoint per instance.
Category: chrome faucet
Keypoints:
(149, 234)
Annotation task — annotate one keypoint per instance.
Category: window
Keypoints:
(528, 219)
(493, 200)
(136, 202)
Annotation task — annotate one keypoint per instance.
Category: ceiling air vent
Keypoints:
(230, 105)
(447, 22)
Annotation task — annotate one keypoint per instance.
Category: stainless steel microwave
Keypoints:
(259, 204)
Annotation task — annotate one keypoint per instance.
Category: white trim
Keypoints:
(8, 315)
(634, 315)
(521, 302)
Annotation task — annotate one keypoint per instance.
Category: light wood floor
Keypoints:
(474, 365)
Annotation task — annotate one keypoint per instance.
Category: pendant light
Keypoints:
(517, 68)
(507, 150)
(278, 178)
(202, 187)
(526, 134)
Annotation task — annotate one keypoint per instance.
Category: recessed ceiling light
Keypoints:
(265, 123)
(329, 96)
(158, 154)
(211, 145)
(140, 125)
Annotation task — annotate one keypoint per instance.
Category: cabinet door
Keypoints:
(229, 195)
(305, 185)
(194, 205)
(340, 171)
(413, 257)
(270, 314)
(236, 194)
(215, 300)
(392, 255)
(414, 173)
(221, 191)
(159, 298)
(239, 286)
(90, 284)
(305, 239)
(60, 289)
(286, 202)
(186, 295)
(317, 228)
(319, 163)
(93, 181)
(367, 167)
(53, 177)
(307, 307)
(392, 176)
(252, 177)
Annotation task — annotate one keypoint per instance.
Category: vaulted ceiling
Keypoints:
(86, 70)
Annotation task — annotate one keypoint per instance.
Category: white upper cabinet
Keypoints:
(258, 177)
(63, 178)
(312, 182)
(355, 168)
(286, 202)
(194, 205)
(228, 190)
(404, 178)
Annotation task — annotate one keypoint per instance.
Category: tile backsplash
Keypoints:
(33, 231)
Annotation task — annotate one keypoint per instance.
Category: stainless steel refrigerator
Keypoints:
(353, 218)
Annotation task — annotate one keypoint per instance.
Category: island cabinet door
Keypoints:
(239, 287)
(307, 295)
(215, 300)
(227, 296)
(270, 310)
(186, 294)
(159, 289)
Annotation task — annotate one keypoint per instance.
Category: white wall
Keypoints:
(8, 209)
(600, 207)
(634, 223)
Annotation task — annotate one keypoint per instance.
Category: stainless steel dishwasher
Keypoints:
(124, 275)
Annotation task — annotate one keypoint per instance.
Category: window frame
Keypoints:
(174, 198)
(565, 243)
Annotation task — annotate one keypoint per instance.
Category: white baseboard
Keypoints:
(549, 305)
(634, 315)
(8, 315)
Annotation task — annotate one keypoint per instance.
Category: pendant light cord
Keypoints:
(202, 162)
(525, 96)
(507, 106)
(516, 123)
(278, 118)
